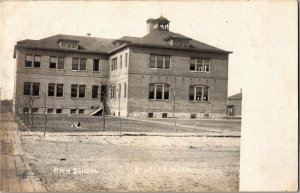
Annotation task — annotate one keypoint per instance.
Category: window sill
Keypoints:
(200, 71)
(199, 101)
(160, 69)
(159, 99)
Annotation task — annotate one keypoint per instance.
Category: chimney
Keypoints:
(88, 34)
(150, 25)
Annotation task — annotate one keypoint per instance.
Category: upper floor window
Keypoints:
(181, 42)
(126, 59)
(70, 44)
(96, 65)
(114, 64)
(78, 91)
(160, 61)
(159, 91)
(121, 61)
(95, 92)
(32, 89)
(113, 92)
(198, 93)
(200, 64)
(59, 90)
(51, 89)
(57, 62)
(32, 61)
(79, 64)
(125, 90)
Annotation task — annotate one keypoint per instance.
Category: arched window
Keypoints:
(159, 91)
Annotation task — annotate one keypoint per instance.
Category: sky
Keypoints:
(235, 26)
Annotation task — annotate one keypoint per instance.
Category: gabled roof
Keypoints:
(86, 43)
(236, 97)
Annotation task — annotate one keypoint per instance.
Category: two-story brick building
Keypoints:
(146, 76)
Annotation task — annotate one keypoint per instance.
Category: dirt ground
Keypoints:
(67, 162)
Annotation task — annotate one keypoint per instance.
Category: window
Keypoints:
(126, 59)
(82, 65)
(75, 63)
(200, 64)
(81, 91)
(150, 115)
(159, 91)
(50, 111)
(28, 61)
(125, 90)
(52, 62)
(120, 61)
(74, 88)
(73, 111)
(198, 93)
(113, 92)
(119, 91)
(58, 111)
(114, 64)
(27, 86)
(35, 110)
(164, 115)
(35, 89)
(61, 63)
(95, 91)
(59, 90)
(159, 61)
(79, 64)
(81, 111)
(96, 67)
(193, 116)
(37, 61)
(25, 110)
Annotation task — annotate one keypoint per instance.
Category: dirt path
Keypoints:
(16, 174)
(134, 163)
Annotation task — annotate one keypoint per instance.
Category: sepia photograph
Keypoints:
(145, 96)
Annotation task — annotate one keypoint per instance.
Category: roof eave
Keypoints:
(57, 49)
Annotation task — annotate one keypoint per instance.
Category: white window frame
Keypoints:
(163, 91)
(195, 91)
(196, 64)
(78, 65)
(164, 62)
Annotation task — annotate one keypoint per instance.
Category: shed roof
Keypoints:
(236, 96)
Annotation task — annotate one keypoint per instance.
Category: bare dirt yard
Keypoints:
(203, 155)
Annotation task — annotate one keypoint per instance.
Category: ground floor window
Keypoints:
(35, 110)
(73, 111)
(50, 110)
(58, 111)
(81, 111)
(25, 110)
(198, 93)
(159, 91)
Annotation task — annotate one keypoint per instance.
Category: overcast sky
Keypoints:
(237, 26)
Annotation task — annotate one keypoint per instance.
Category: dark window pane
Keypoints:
(35, 89)
(103, 92)
(160, 61)
(166, 91)
(151, 91)
(126, 59)
(198, 93)
(119, 92)
(206, 65)
(28, 61)
(121, 61)
(58, 111)
(159, 91)
(81, 91)
(73, 111)
(152, 61)
(81, 111)
(51, 89)
(205, 94)
(75, 62)
(74, 90)
(61, 63)
(52, 62)
(27, 86)
(82, 64)
(167, 62)
(125, 90)
(25, 110)
(37, 61)
(59, 90)
(95, 91)
(200, 64)
(191, 93)
(96, 65)
(192, 65)
(50, 111)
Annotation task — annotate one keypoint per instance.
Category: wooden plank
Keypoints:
(12, 181)
(25, 182)
(4, 186)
